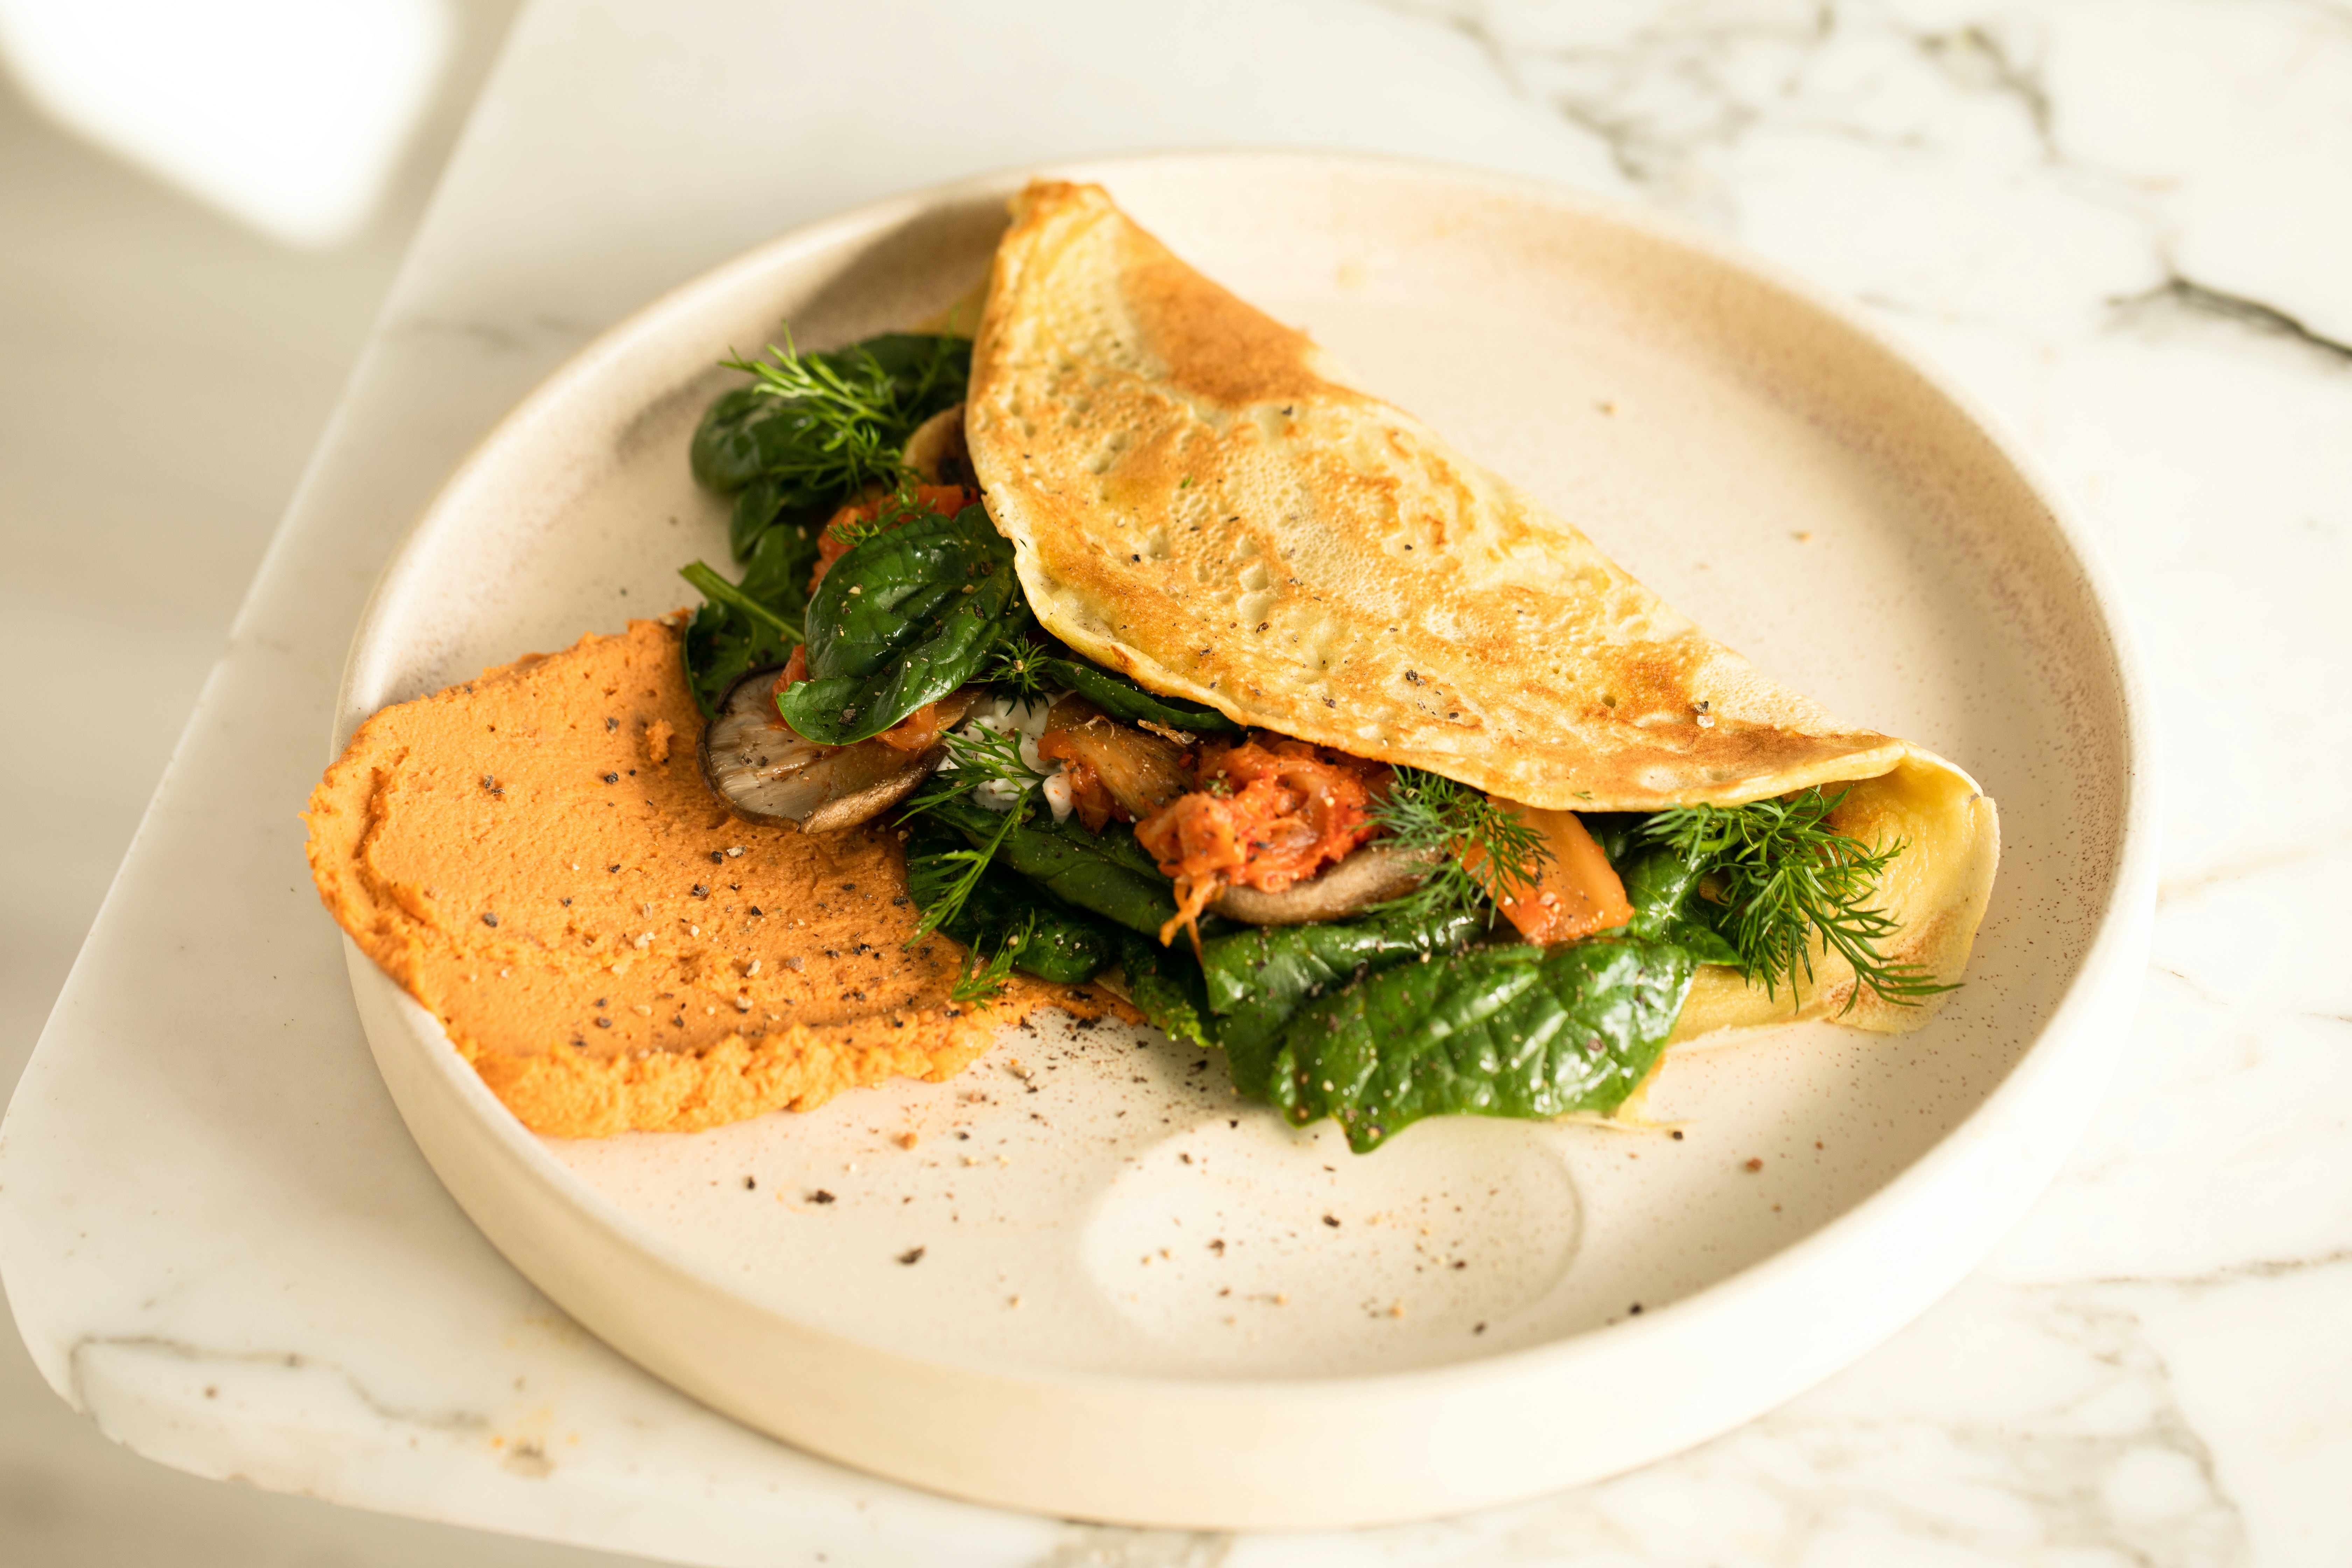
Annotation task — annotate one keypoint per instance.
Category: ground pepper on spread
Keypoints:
(533, 855)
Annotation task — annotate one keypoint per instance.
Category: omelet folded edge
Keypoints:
(1165, 457)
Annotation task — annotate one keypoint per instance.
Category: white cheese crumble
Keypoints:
(1028, 719)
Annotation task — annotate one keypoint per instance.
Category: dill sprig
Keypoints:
(978, 755)
(901, 507)
(1461, 828)
(1017, 668)
(1783, 877)
(981, 978)
(943, 903)
(856, 413)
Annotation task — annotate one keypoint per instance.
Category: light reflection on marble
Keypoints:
(2128, 228)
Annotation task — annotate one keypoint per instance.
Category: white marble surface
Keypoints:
(2128, 228)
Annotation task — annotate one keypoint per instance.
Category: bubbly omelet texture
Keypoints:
(1198, 497)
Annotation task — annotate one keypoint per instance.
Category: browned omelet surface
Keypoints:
(1198, 497)
(533, 856)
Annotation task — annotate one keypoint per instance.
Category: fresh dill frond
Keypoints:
(1017, 668)
(856, 415)
(1782, 878)
(947, 901)
(900, 506)
(1477, 846)
(851, 534)
(983, 979)
(979, 754)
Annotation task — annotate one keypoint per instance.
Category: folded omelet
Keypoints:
(1197, 496)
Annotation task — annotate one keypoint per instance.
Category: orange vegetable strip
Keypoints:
(1576, 893)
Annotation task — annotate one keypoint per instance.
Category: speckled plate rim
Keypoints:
(1288, 1454)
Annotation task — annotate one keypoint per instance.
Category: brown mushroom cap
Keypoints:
(1372, 875)
(767, 773)
(936, 453)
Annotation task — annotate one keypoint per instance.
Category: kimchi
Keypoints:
(1264, 812)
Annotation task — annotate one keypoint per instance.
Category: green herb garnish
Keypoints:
(945, 901)
(983, 979)
(1779, 877)
(1429, 812)
(853, 412)
(1018, 668)
(978, 754)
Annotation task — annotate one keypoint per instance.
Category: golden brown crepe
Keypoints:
(1198, 497)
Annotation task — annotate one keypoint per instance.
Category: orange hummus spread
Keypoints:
(534, 855)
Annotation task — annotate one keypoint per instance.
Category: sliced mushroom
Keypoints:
(937, 452)
(1372, 874)
(1140, 772)
(767, 773)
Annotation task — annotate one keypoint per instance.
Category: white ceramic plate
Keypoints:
(1141, 1299)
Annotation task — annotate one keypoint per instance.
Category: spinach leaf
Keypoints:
(766, 505)
(1619, 833)
(1123, 699)
(1063, 944)
(1256, 979)
(1107, 872)
(1495, 1031)
(746, 626)
(778, 573)
(902, 619)
(1164, 983)
(724, 455)
(1662, 888)
(730, 635)
(821, 425)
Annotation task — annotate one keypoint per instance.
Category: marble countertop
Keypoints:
(2127, 228)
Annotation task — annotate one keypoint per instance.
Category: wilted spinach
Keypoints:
(752, 625)
(762, 508)
(1061, 944)
(1123, 699)
(814, 429)
(1662, 888)
(1256, 979)
(902, 619)
(1164, 984)
(1493, 1031)
(1107, 872)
